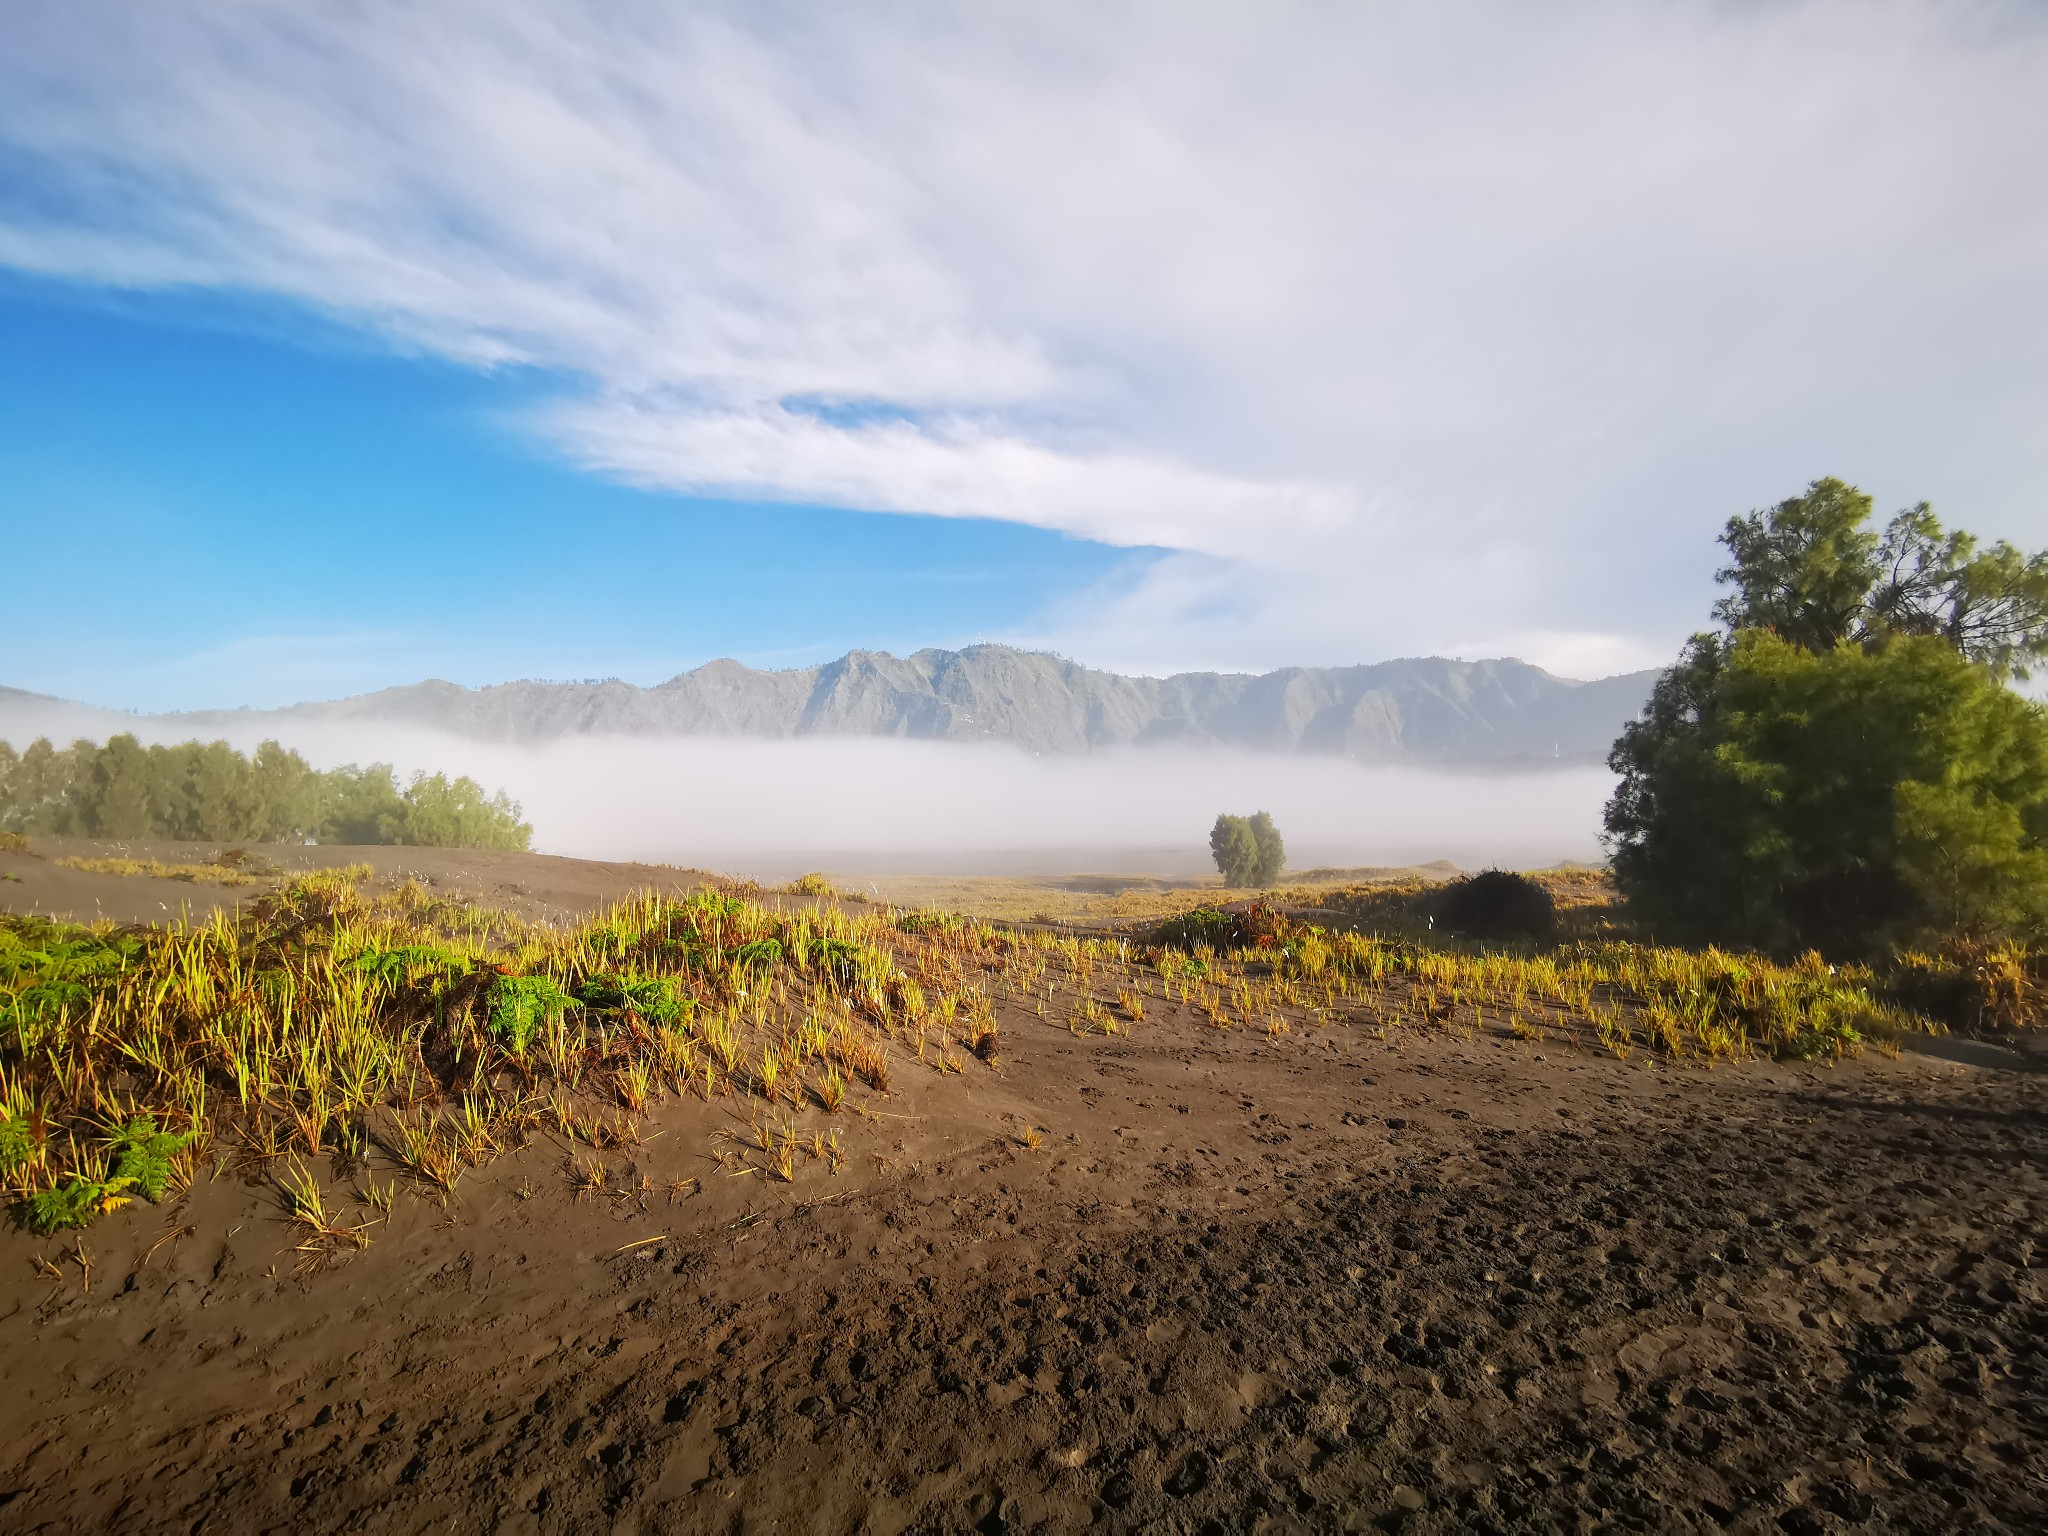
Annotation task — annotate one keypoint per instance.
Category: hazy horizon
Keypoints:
(772, 808)
(415, 682)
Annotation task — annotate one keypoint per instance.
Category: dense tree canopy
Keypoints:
(208, 792)
(1846, 768)
(1248, 849)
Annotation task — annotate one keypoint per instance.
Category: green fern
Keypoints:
(142, 1157)
(520, 1005)
(73, 1203)
(760, 952)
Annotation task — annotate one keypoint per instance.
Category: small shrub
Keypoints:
(1497, 904)
(13, 842)
(1255, 925)
(811, 885)
(1204, 926)
(140, 1155)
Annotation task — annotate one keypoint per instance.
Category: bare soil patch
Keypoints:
(1331, 1280)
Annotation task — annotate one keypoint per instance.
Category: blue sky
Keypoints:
(345, 346)
(208, 489)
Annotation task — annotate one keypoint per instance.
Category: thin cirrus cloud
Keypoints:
(1452, 327)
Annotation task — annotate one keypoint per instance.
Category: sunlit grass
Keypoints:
(432, 1037)
(328, 1022)
(192, 874)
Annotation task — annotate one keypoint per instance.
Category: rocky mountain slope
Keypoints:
(1422, 710)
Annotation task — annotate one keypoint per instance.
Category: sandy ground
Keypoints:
(1327, 1281)
(546, 887)
(1097, 900)
(536, 886)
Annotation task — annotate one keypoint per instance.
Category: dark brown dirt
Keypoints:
(1326, 1282)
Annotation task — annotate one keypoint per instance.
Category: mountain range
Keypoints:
(1422, 710)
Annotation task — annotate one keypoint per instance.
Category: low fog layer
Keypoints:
(767, 808)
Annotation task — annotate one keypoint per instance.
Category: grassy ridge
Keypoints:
(433, 1036)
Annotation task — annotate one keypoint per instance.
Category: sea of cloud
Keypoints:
(770, 808)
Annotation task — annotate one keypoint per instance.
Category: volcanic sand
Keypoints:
(1330, 1280)
(538, 887)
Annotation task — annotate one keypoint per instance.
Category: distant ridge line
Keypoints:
(1419, 709)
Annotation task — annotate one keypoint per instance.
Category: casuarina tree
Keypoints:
(1845, 768)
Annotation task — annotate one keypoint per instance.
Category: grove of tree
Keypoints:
(208, 792)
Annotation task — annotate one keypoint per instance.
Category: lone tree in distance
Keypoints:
(1248, 849)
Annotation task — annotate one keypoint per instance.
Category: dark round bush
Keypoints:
(1497, 904)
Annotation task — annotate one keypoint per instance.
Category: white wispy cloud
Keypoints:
(1446, 327)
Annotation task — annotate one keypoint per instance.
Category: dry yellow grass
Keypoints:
(1092, 900)
(192, 874)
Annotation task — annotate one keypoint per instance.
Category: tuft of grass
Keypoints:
(192, 874)
(324, 1239)
(832, 1091)
(378, 1197)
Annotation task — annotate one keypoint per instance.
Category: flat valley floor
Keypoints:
(1334, 1280)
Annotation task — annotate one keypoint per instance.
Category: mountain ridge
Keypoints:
(1413, 709)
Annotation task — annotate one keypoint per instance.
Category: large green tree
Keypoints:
(444, 813)
(1846, 768)
(118, 790)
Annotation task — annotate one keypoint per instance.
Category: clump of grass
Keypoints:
(327, 1018)
(1978, 987)
(324, 1238)
(1710, 1004)
(209, 874)
(13, 842)
(832, 1091)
